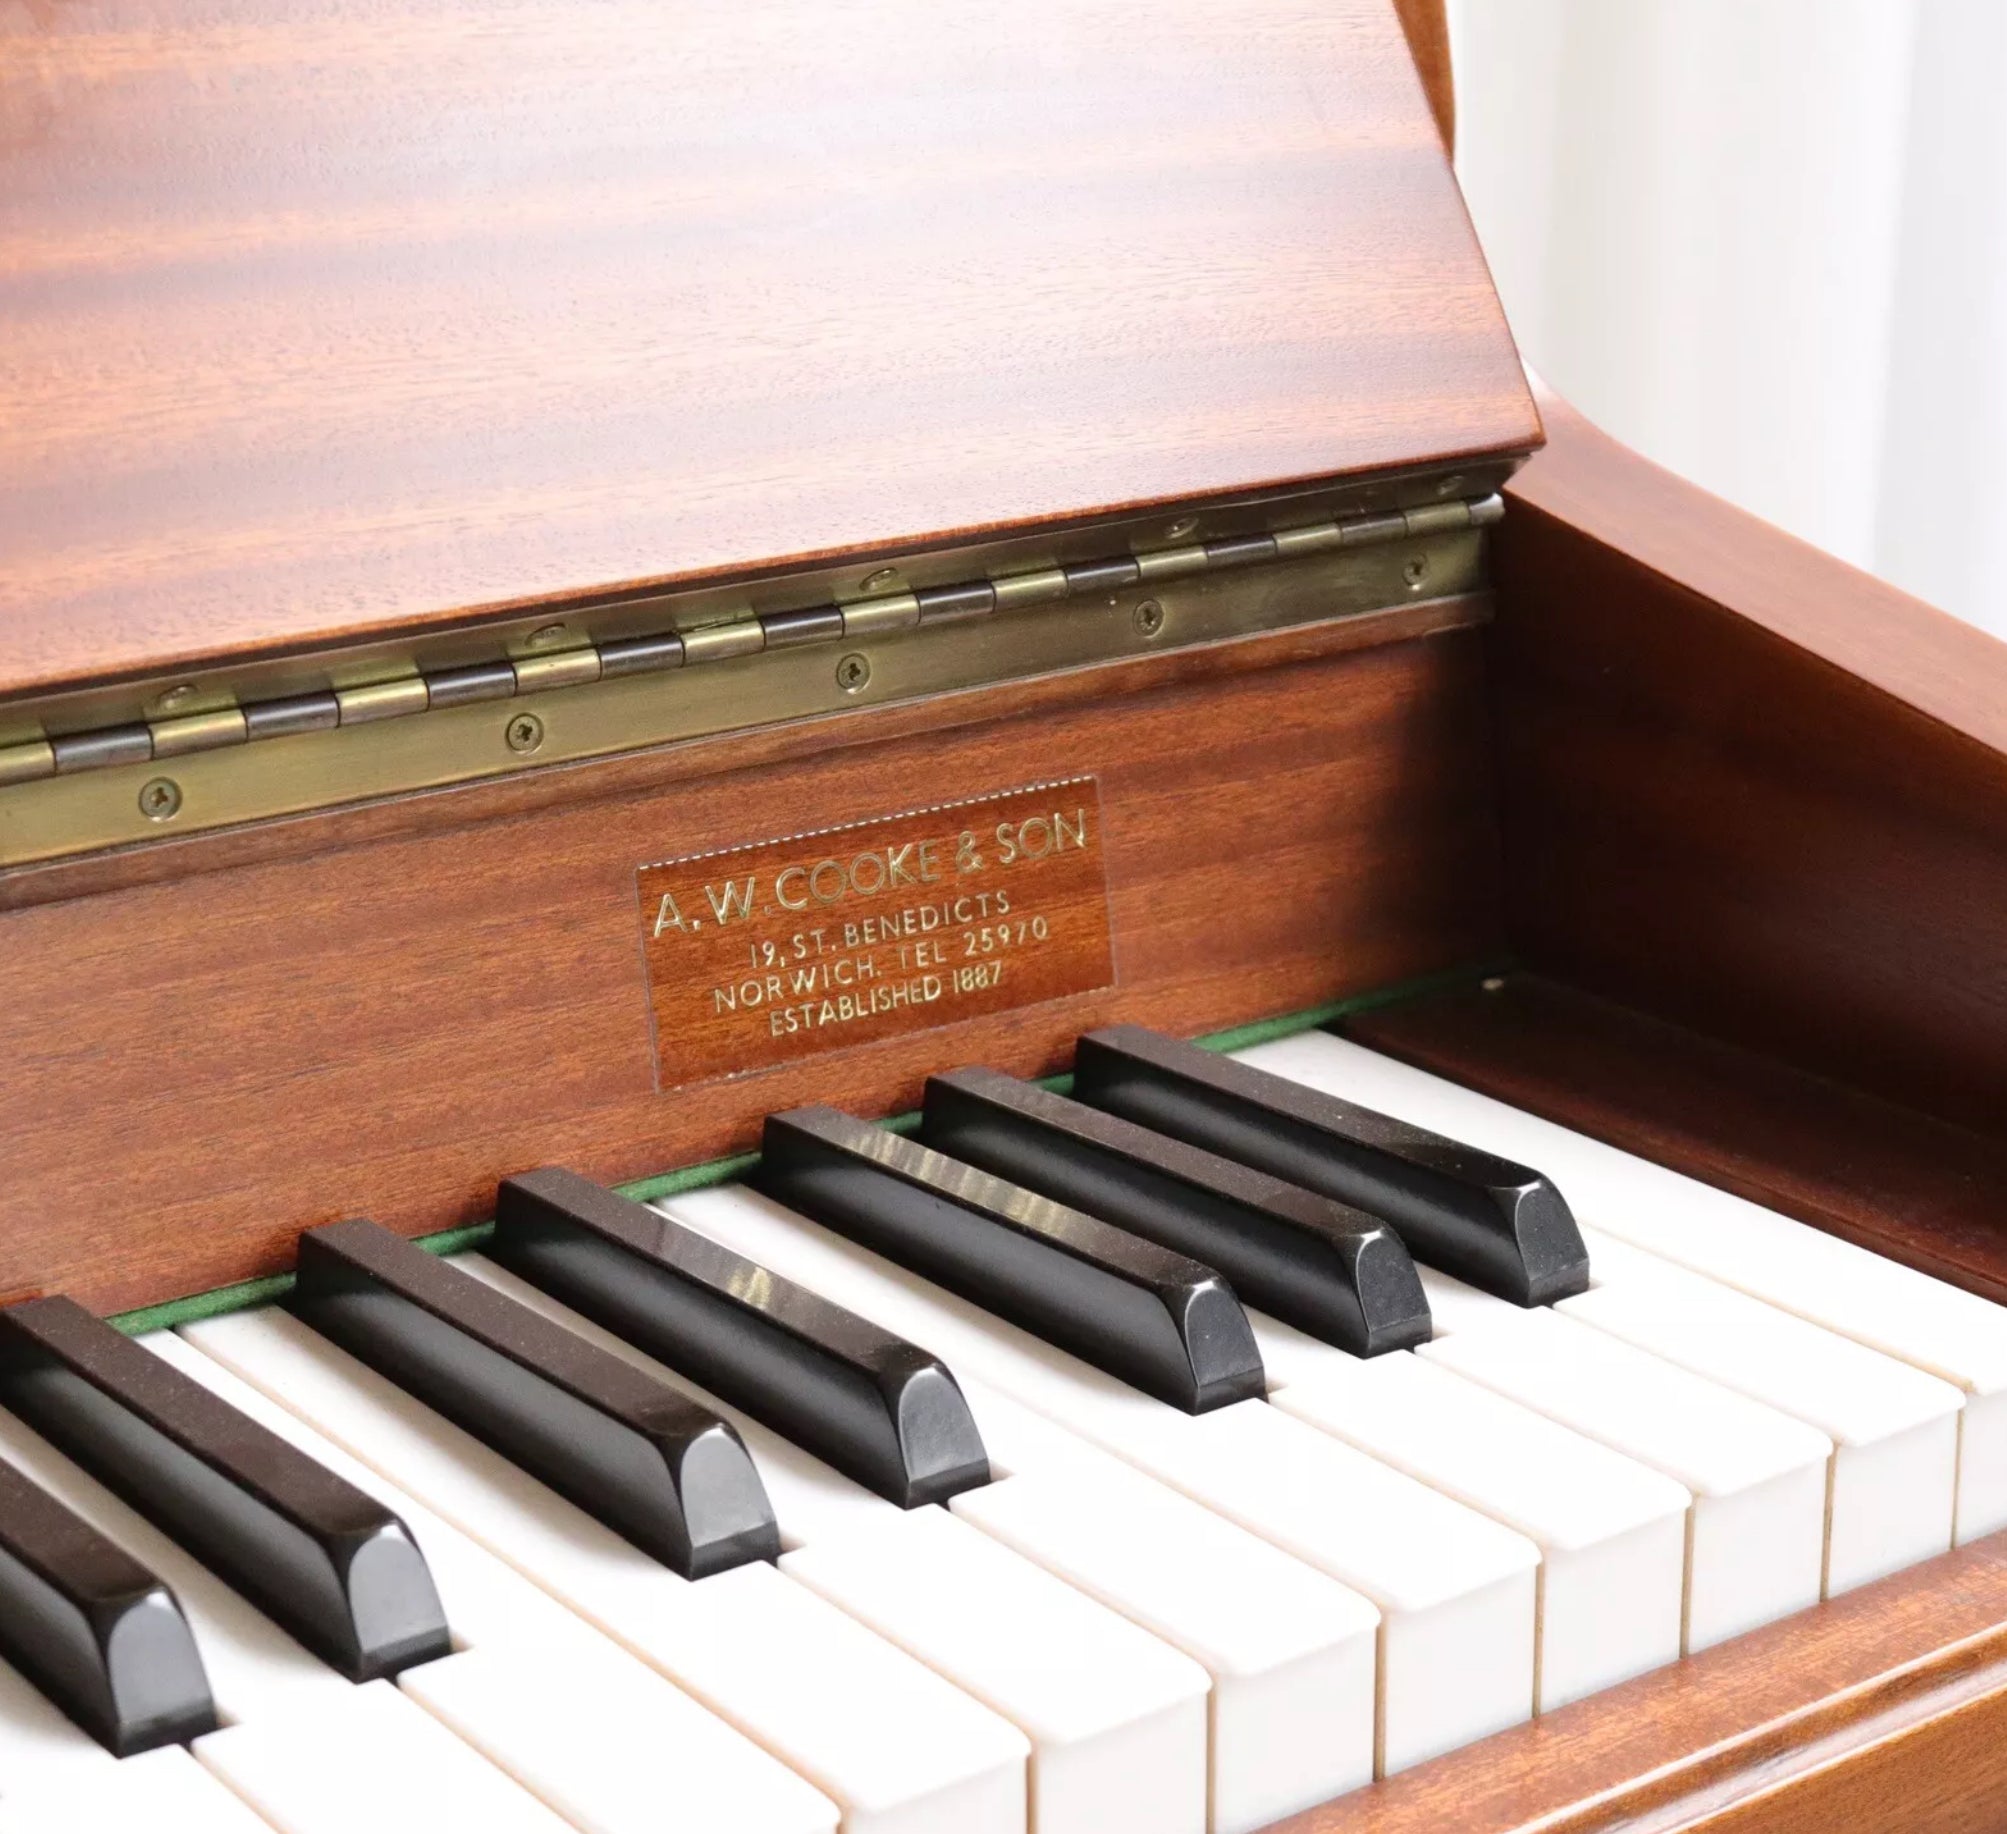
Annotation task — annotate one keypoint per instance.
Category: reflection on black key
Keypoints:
(93, 1629)
(644, 1458)
(1329, 1270)
(1168, 1325)
(326, 1561)
(879, 1409)
(1497, 1225)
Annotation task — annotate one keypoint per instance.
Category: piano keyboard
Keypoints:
(960, 1484)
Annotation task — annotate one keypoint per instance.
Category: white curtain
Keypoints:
(1765, 243)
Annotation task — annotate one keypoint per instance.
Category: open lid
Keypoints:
(318, 323)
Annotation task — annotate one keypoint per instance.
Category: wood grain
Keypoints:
(1427, 31)
(1907, 1186)
(388, 1027)
(1748, 788)
(325, 318)
(1880, 1712)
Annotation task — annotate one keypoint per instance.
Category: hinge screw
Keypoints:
(177, 697)
(546, 638)
(852, 673)
(1416, 570)
(524, 733)
(884, 577)
(1185, 525)
(1149, 617)
(1451, 485)
(160, 799)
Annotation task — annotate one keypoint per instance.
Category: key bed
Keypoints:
(1127, 1615)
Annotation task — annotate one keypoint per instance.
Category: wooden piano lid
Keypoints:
(321, 319)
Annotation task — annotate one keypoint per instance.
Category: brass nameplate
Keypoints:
(780, 949)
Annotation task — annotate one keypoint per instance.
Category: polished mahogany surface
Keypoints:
(1748, 788)
(319, 318)
(382, 1011)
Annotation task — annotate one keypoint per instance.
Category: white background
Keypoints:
(1765, 243)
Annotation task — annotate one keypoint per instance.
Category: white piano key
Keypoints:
(369, 1759)
(1289, 1355)
(811, 1500)
(1893, 1484)
(888, 1737)
(1453, 1306)
(1611, 1531)
(613, 1747)
(1455, 1588)
(1020, 1441)
(39, 1742)
(1925, 1322)
(1116, 1718)
(1290, 1652)
(899, 1749)
(1615, 1262)
(255, 1669)
(164, 1792)
(1757, 1546)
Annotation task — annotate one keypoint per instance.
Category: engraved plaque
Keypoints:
(781, 949)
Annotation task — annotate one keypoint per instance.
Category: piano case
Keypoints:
(531, 539)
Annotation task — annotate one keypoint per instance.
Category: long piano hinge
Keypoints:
(579, 664)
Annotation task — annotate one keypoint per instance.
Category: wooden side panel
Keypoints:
(201, 1065)
(1748, 788)
(1427, 30)
(1880, 1712)
(321, 319)
(1901, 1183)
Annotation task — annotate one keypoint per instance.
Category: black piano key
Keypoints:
(1320, 1265)
(93, 1629)
(1492, 1223)
(1168, 1325)
(641, 1456)
(317, 1555)
(879, 1409)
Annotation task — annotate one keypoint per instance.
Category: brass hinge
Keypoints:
(438, 701)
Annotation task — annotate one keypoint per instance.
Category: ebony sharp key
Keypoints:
(641, 1456)
(1159, 1321)
(317, 1555)
(1497, 1225)
(1320, 1265)
(93, 1629)
(879, 1409)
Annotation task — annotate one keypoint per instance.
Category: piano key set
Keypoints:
(970, 1480)
(591, 599)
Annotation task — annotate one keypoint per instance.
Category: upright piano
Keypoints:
(871, 957)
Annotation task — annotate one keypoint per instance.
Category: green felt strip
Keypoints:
(456, 1241)
(171, 1312)
(248, 1293)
